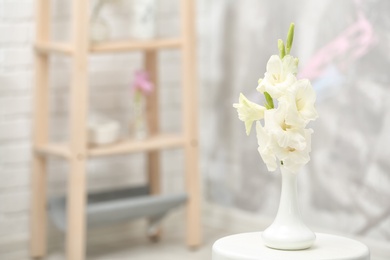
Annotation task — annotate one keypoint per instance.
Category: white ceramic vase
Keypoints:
(288, 231)
(143, 19)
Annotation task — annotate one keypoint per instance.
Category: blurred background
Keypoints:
(344, 189)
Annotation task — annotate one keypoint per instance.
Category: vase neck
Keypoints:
(288, 205)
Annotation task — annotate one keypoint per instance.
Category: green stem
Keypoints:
(282, 51)
(270, 101)
(290, 38)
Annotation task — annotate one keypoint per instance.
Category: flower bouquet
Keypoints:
(284, 139)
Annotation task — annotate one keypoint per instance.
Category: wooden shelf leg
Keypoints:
(38, 208)
(75, 240)
(153, 158)
(39, 175)
(190, 122)
(194, 236)
(38, 218)
(76, 210)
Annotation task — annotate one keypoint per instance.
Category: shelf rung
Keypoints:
(52, 47)
(133, 45)
(60, 150)
(128, 146)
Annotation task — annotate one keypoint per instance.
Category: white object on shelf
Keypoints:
(100, 30)
(143, 19)
(102, 130)
(249, 246)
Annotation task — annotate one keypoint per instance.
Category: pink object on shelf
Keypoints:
(142, 82)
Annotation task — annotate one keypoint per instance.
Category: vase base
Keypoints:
(283, 241)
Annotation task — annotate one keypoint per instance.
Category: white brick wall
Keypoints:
(110, 77)
(18, 10)
(15, 152)
(14, 201)
(13, 177)
(17, 129)
(15, 33)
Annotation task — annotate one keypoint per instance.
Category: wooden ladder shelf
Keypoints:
(76, 151)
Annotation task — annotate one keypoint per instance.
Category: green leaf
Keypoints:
(270, 101)
(282, 51)
(290, 38)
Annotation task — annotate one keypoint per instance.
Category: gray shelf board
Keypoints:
(117, 206)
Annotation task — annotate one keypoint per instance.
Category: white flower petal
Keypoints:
(279, 77)
(294, 160)
(292, 139)
(286, 136)
(248, 112)
(265, 147)
(290, 65)
(300, 101)
(274, 65)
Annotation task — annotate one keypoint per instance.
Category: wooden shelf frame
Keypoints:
(77, 151)
(153, 143)
(135, 45)
(111, 46)
(60, 150)
(53, 47)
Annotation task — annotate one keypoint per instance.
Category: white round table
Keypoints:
(249, 246)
